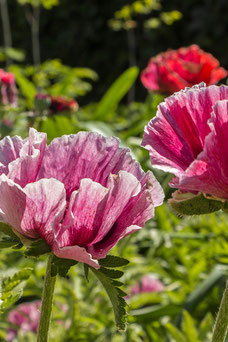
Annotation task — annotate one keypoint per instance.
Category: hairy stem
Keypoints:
(221, 323)
(47, 298)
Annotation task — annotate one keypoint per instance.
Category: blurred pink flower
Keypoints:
(188, 138)
(81, 194)
(174, 70)
(8, 88)
(25, 318)
(147, 284)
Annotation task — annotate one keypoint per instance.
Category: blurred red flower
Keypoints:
(173, 70)
(8, 90)
(58, 103)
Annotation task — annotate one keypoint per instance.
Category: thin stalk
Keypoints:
(221, 323)
(35, 27)
(6, 26)
(47, 298)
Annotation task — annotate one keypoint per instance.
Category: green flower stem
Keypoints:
(47, 298)
(221, 323)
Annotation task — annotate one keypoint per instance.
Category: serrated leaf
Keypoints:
(175, 333)
(117, 283)
(37, 248)
(61, 266)
(10, 282)
(113, 261)
(11, 287)
(189, 328)
(113, 274)
(118, 303)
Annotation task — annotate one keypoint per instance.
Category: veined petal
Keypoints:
(86, 155)
(24, 169)
(81, 223)
(75, 253)
(9, 151)
(35, 210)
(122, 188)
(209, 172)
(177, 134)
(135, 214)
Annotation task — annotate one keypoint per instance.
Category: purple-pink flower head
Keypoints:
(24, 318)
(81, 194)
(188, 138)
(147, 284)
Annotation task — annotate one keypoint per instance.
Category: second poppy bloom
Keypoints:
(174, 70)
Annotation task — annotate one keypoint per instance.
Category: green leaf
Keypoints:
(190, 204)
(175, 333)
(113, 261)
(154, 312)
(204, 288)
(61, 266)
(8, 242)
(37, 248)
(7, 230)
(188, 328)
(113, 274)
(205, 326)
(118, 303)
(27, 88)
(115, 93)
(11, 287)
(58, 125)
(86, 272)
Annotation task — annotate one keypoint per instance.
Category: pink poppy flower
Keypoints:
(25, 318)
(174, 70)
(8, 88)
(188, 138)
(81, 194)
(147, 284)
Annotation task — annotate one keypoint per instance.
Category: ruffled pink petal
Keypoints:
(35, 210)
(86, 155)
(75, 253)
(176, 135)
(138, 210)
(45, 206)
(209, 172)
(24, 169)
(81, 223)
(122, 188)
(9, 151)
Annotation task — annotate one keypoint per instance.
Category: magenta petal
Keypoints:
(176, 135)
(45, 206)
(9, 151)
(75, 253)
(122, 188)
(81, 224)
(35, 210)
(86, 155)
(24, 169)
(13, 204)
(209, 172)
